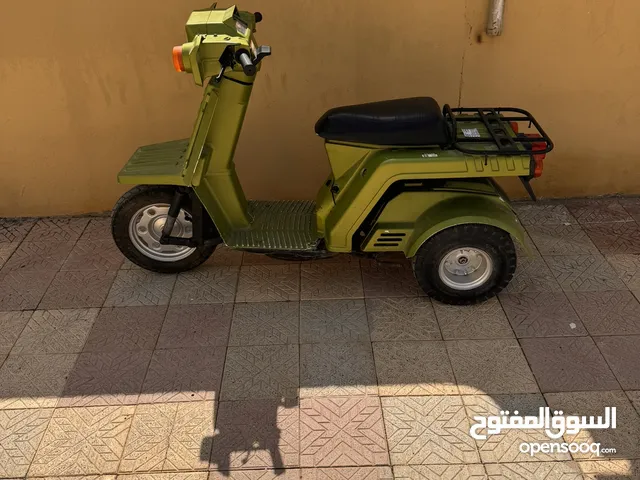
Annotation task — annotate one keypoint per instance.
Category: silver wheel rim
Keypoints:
(145, 230)
(466, 268)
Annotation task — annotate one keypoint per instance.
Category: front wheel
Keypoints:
(137, 222)
(466, 264)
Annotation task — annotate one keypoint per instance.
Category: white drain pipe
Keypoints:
(496, 18)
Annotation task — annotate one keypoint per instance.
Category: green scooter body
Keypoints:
(377, 199)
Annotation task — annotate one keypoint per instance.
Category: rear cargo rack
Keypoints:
(490, 131)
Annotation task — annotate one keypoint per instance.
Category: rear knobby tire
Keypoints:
(496, 244)
(128, 206)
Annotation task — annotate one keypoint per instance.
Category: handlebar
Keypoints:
(244, 59)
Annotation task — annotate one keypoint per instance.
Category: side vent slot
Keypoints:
(389, 239)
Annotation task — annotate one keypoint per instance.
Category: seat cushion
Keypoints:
(405, 122)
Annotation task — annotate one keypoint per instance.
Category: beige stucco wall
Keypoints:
(83, 83)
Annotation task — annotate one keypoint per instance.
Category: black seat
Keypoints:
(405, 122)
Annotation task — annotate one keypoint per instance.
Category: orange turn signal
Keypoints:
(178, 62)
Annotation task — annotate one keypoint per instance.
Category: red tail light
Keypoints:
(539, 158)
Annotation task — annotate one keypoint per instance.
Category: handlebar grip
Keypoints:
(244, 59)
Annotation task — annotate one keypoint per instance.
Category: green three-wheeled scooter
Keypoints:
(406, 177)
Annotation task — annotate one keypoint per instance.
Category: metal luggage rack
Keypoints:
(499, 123)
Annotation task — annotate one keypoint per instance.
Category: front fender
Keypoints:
(485, 210)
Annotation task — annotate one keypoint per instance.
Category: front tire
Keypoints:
(136, 225)
(466, 264)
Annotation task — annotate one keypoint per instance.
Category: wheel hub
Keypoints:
(145, 231)
(465, 268)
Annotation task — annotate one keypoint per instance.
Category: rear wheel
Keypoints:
(466, 264)
(137, 223)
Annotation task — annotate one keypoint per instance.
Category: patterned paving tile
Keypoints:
(262, 474)
(11, 326)
(437, 472)
(486, 320)
(413, 368)
(125, 328)
(526, 471)
(165, 476)
(6, 250)
(78, 289)
(597, 210)
(342, 431)
(23, 290)
(191, 437)
(337, 369)
(63, 229)
(112, 378)
(251, 259)
(169, 437)
(206, 285)
(632, 206)
(610, 469)
(428, 431)
(94, 255)
(624, 438)
(184, 375)
(341, 258)
(623, 356)
(38, 256)
(635, 400)
(188, 326)
(256, 434)
(490, 366)
(33, 381)
(347, 473)
(80, 477)
(528, 249)
(568, 364)
(129, 265)
(82, 441)
(15, 229)
(505, 446)
(584, 273)
(261, 372)
(561, 239)
(627, 267)
(225, 257)
(544, 314)
(269, 283)
(331, 321)
(611, 238)
(98, 228)
(543, 214)
(393, 319)
(148, 441)
(608, 313)
(20, 434)
(265, 323)
(533, 275)
(331, 280)
(56, 331)
(135, 288)
(389, 280)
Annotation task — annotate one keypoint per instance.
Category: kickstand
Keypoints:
(527, 186)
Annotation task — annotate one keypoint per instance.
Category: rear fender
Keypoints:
(478, 209)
